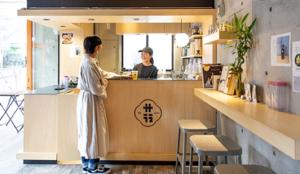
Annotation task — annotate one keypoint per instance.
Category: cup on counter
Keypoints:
(66, 81)
(134, 75)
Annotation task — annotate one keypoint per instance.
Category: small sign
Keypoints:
(148, 113)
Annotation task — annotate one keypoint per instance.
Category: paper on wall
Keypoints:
(296, 66)
(281, 50)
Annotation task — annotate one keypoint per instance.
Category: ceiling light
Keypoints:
(182, 39)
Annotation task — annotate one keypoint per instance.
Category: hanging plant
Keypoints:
(243, 43)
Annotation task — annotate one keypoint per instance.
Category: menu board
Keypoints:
(211, 74)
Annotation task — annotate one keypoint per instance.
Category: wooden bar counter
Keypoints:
(142, 119)
(279, 129)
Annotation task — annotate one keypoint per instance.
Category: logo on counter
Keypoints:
(147, 113)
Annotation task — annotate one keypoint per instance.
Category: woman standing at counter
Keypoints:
(146, 69)
(91, 116)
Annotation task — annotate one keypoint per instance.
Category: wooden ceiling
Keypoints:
(66, 17)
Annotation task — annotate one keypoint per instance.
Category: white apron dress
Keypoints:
(92, 125)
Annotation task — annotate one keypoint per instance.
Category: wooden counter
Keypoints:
(279, 129)
(50, 131)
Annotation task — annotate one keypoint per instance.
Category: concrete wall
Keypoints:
(283, 18)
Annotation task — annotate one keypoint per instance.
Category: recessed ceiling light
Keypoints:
(91, 19)
(46, 19)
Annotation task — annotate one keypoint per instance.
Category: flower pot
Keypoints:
(239, 87)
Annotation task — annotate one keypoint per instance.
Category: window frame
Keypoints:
(147, 44)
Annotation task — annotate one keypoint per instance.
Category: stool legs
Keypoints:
(177, 150)
(183, 162)
(191, 159)
(200, 164)
(226, 159)
(240, 159)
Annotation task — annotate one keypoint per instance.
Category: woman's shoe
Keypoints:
(85, 170)
(100, 170)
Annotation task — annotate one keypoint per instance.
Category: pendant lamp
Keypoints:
(181, 39)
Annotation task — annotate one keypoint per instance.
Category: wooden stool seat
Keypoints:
(242, 169)
(194, 125)
(211, 145)
(184, 127)
(214, 145)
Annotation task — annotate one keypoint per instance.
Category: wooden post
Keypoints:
(29, 54)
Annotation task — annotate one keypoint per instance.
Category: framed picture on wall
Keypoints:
(67, 38)
(281, 50)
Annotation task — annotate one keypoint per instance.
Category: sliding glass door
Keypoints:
(45, 56)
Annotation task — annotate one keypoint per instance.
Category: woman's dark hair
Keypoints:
(90, 44)
(152, 60)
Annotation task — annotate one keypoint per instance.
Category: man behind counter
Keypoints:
(146, 69)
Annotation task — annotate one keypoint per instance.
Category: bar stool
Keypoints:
(186, 126)
(242, 169)
(212, 146)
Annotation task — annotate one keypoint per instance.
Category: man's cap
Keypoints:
(147, 50)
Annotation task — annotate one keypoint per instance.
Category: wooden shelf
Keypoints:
(196, 36)
(192, 56)
(279, 129)
(220, 37)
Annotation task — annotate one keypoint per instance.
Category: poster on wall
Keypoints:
(211, 74)
(67, 38)
(281, 50)
(296, 66)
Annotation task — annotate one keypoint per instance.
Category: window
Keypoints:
(162, 45)
(132, 43)
(162, 50)
(12, 47)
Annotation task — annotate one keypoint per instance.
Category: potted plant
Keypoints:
(242, 44)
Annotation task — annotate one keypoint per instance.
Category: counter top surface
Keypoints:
(158, 79)
(280, 129)
(49, 90)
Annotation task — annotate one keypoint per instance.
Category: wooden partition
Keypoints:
(131, 138)
(29, 53)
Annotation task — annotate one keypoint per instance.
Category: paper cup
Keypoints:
(134, 75)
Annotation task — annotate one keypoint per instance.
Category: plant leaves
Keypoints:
(245, 18)
(252, 25)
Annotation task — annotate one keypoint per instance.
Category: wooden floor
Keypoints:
(11, 143)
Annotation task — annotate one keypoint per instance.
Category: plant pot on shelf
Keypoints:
(239, 86)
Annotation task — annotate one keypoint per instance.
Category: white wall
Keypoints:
(69, 65)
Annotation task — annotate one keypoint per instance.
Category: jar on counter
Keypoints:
(66, 81)
(278, 95)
